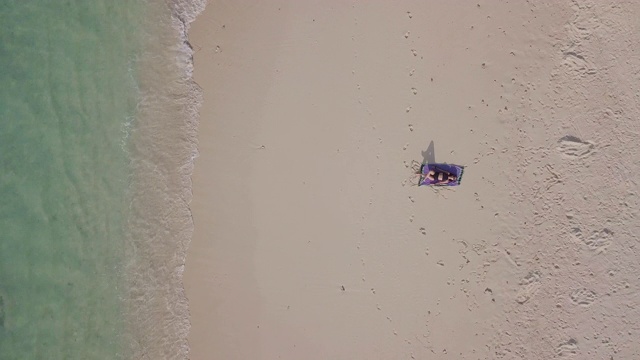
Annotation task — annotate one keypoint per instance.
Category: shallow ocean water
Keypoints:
(97, 138)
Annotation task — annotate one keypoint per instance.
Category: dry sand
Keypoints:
(309, 241)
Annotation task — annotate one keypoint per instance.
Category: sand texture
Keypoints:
(310, 241)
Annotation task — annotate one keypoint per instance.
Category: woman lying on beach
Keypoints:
(440, 176)
(437, 174)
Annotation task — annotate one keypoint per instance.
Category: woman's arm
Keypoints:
(443, 171)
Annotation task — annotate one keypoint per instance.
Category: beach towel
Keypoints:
(456, 170)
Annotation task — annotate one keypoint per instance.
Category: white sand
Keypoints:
(310, 244)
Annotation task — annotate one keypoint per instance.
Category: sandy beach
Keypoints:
(310, 241)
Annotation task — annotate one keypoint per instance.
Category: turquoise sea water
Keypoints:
(81, 85)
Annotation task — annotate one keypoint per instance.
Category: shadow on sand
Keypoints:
(429, 155)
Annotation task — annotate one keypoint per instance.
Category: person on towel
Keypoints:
(440, 176)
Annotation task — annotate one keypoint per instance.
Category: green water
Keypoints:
(67, 93)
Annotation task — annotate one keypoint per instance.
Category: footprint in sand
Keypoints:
(577, 232)
(530, 285)
(583, 297)
(577, 65)
(599, 241)
(414, 91)
(572, 147)
(567, 348)
(415, 166)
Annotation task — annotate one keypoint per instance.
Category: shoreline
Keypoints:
(161, 146)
